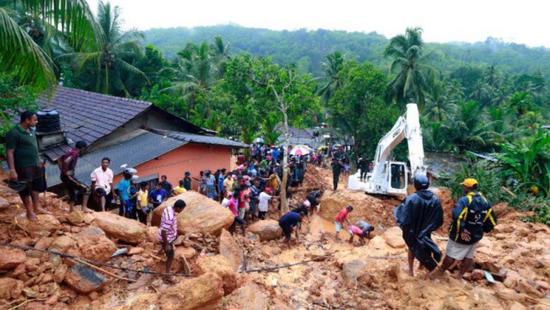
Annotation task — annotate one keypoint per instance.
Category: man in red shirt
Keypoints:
(342, 218)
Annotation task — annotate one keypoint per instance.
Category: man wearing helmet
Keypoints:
(418, 216)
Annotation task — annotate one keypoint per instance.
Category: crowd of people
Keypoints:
(247, 192)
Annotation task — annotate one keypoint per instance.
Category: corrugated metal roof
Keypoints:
(188, 137)
(132, 152)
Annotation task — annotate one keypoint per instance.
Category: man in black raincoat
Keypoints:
(418, 216)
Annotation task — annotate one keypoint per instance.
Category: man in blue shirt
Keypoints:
(287, 222)
(158, 195)
(123, 191)
(275, 153)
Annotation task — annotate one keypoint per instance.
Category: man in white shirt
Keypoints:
(263, 204)
(102, 181)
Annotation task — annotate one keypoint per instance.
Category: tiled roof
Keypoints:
(132, 152)
(90, 116)
(188, 137)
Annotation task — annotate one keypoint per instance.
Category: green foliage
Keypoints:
(109, 66)
(311, 47)
(527, 160)
(490, 181)
(23, 50)
(413, 77)
(358, 106)
(14, 98)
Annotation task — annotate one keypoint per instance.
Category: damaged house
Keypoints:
(128, 131)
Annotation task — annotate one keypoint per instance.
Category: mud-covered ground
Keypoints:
(327, 272)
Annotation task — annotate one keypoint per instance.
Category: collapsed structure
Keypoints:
(65, 260)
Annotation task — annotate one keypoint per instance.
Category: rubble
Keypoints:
(219, 265)
(83, 279)
(322, 271)
(44, 226)
(95, 248)
(11, 258)
(394, 237)
(250, 297)
(202, 292)
(229, 248)
(10, 288)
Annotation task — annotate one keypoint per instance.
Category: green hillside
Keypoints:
(307, 49)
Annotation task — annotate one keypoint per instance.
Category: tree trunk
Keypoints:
(284, 201)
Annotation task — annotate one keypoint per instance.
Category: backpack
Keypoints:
(476, 216)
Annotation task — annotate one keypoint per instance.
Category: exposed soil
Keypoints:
(330, 272)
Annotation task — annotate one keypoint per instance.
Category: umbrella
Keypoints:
(259, 140)
(300, 150)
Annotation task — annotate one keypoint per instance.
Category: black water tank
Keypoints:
(48, 121)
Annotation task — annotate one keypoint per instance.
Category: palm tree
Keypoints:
(110, 61)
(19, 53)
(194, 73)
(332, 67)
(413, 76)
(220, 55)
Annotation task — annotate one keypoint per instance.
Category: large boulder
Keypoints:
(201, 215)
(203, 292)
(10, 288)
(95, 246)
(44, 226)
(266, 229)
(230, 249)
(10, 258)
(219, 265)
(121, 228)
(394, 237)
(84, 279)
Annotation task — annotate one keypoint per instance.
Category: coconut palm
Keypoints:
(110, 61)
(332, 66)
(413, 77)
(19, 53)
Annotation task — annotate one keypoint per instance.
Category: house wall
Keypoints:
(191, 157)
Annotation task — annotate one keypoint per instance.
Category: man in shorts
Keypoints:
(102, 182)
(168, 231)
(26, 169)
(472, 216)
(341, 219)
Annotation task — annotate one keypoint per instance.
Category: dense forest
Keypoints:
(488, 97)
(307, 49)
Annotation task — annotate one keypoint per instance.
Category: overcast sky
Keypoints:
(521, 21)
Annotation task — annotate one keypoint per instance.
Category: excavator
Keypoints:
(390, 177)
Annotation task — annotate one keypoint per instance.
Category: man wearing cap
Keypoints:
(418, 216)
(471, 217)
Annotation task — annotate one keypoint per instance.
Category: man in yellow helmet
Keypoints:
(471, 217)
